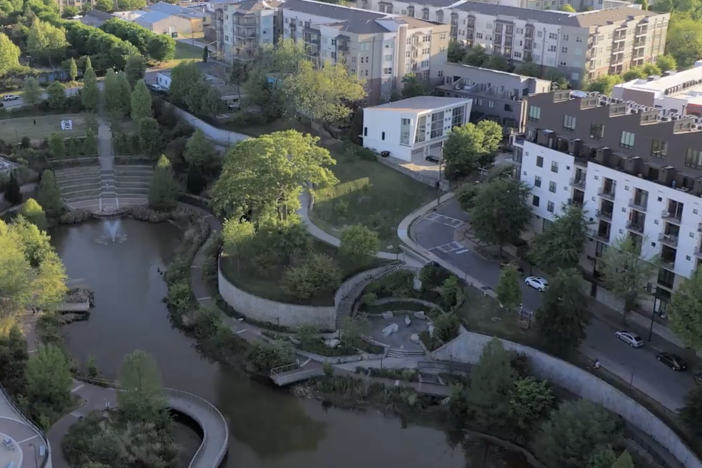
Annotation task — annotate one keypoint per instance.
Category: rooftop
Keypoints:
(328, 10)
(154, 16)
(671, 84)
(419, 104)
(438, 3)
(584, 19)
(171, 9)
(255, 5)
(99, 15)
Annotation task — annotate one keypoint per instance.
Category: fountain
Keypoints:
(112, 228)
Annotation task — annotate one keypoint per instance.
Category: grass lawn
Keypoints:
(183, 52)
(368, 193)
(268, 286)
(12, 130)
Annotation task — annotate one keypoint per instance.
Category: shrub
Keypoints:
(432, 276)
(328, 369)
(446, 327)
(319, 273)
(397, 284)
(264, 357)
(76, 216)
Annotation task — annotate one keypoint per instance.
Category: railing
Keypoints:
(31, 424)
(286, 368)
(638, 204)
(669, 239)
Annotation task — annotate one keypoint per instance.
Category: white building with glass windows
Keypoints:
(414, 128)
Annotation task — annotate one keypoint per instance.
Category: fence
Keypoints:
(30, 423)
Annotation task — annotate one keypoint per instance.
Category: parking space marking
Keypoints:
(445, 220)
(462, 251)
(450, 247)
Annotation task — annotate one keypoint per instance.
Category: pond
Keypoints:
(269, 426)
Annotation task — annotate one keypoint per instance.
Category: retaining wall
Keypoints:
(277, 313)
(351, 283)
(468, 346)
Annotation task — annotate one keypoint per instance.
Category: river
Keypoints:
(269, 426)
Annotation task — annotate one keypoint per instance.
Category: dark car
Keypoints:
(671, 360)
(434, 159)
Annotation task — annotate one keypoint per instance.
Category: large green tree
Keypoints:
(575, 431)
(49, 379)
(605, 84)
(46, 42)
(508, 291)
(57, 145)
(32, 91)
(691, 413)
(563, 316)
(237, 236)
(200, 153)
(470, 147)
(141, 102)
(15, 273)
(56, 95)
(90, 94)
(135, 69)
(184, 77)
(49, 195)
(9, 55)
(500, 212)
(117, 93)
(265, 175)
(125, 92)
(143, 397)
(164, 190)
(685, 311)
(358, 247)
(413, 86)
(666, 62)
(34, 213)
(562, 242)
(150, 140)
(13, 192)
(684, 41)
(72, 69)
(625, 273)
(530, 401)
(325, 94)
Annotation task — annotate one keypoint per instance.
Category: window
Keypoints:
(694, 158)
(564, 50)
(552, 36)
(659, 148)
(404, 131)
(226, 38)
(426, 39)
(552, 187)
(457, 117)
(666, 278)
(627, 140)
(517, 55)
(565, 37)
(520, 30)
(382, 137)
(554, 167)
(387, 71)
(426, 51)
(491, 104)
(365, 131)
(437, 125)
(421, 129)
(440, 73)
(550, 207)
(534, 113)
(387, 58)
(578, 39)
(539, 161)
(442, 36)
(478, 35)
(425, 63)
(539, 33)
(537, 181)
(596, 131)
(535, 200)
(508, 107)
(569, 122)
(552, 48)
(366, 73)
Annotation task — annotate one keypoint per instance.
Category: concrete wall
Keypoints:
(468, 346)
(220, 136)
(278, 313)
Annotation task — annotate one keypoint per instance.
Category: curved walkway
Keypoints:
(28, 447)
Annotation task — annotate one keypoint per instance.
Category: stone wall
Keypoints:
(277, 313)
(468, 346)
(396, 164)
(351, 283)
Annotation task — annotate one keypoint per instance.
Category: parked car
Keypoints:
(434, 159)
(673, 361)
(505, 263)
(10, 97)
(536, 282)
(630, 338)
(156, 88)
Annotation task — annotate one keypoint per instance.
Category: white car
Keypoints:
(10, 97)
(632, 339)
(536, 282)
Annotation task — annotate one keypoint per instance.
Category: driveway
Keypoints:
(435, 232)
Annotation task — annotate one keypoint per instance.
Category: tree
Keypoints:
(266, 174)
(666, 62)
(319, 273)
(350, 331)
(508, 291)
(500, 213)
(691, 413)
(470, 147)
(644, 6)
(90, 94)
(13, 193)
(456, 52)
(633, 73)
(602, 457)
(135, 69)
(105, 5)
(125, 93)
(72, 69)
(562, 242)
(9, 55)
(684, 41)
(49, 379)
(149, 136)
(239, 76)
(32, 91)
(90, 146)
(164, 190)
(685, 311)
(205, 54)
(237, 235)
(529, 69)
(476, 56)
(447, 326)
(184, 76)
(115, 99)
(652, 69)
(161, 47)
(141, 102)
(49, 194)
(563, 316)
(567, 8)
(491, 382)
(624, 461)
(34, 213)
(15, 274)
(605, 84)
(200, 153)
(56, 95)
(574, 432)
(413, 86)
(46, 42)
(57, 145)
(35, 243)
(324, 94)
(142, 398)
(625, 273)
(530, 400)
(358, 247)
(497, 62)
(465, 194)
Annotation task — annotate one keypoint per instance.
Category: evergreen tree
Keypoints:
(90, 144)
(49, 194)
(90, 94)
(149, 136)
(624, 460)
(125, 93)
(112, 92)
(9, 55)
(72, 69)
(562, 242)
(56, 95)
(508, 291)
(141, 101)
(164, 190)
(49, 382)
(135, 69)
(13, 193)
(200, 153)
(205, 54)
(57, 145)
(34, 213)
(32, 91)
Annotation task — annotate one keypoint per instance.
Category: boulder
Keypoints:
(414, 338)
(431, 330)
(408, 321)
(387, 315)
(420, 315)
(390, 329)
(294, 340)
(333, 343)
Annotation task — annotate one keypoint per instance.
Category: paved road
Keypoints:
(9, 105)
(655, 379)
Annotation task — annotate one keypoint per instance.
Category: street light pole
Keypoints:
(438, 184)
(650, 329)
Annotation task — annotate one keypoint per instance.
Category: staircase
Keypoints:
(109, 201)
(132, 184)
(404, 354)
(80, 186)
(346, 305)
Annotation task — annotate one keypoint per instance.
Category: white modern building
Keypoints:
(414, 128)
(636, 172)
(680, 92)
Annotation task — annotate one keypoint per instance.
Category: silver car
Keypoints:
(536, 282)
(10, 97)
(632, 339)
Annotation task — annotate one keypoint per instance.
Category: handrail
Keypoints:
(180, 393)
(287, 367)
(30, 423)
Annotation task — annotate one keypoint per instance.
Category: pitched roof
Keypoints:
(255, 5)
(99, 15)
(330, 11)
(152, 17)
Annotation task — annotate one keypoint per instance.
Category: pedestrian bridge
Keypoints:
(215, 431)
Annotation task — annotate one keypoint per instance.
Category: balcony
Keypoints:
(639, 44)
(670, 240)
(698, 253)
(607, 194)
(619, 37)
(638, 204)
(669, 264)
(635, 227)
(578, 182)
(600, 236)
(641, 31)
(604, 214)
(671, 217)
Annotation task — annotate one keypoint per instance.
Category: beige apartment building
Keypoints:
(377, 47)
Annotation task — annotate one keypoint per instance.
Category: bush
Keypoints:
(446, 327)
(76, 216)
(432, 276)
(397, 284)
(264, 357)
(319, 273)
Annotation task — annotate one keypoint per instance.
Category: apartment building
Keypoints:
(496, 95)
(433, 9)
(241, 28)
(678, 92)
(636, 171)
